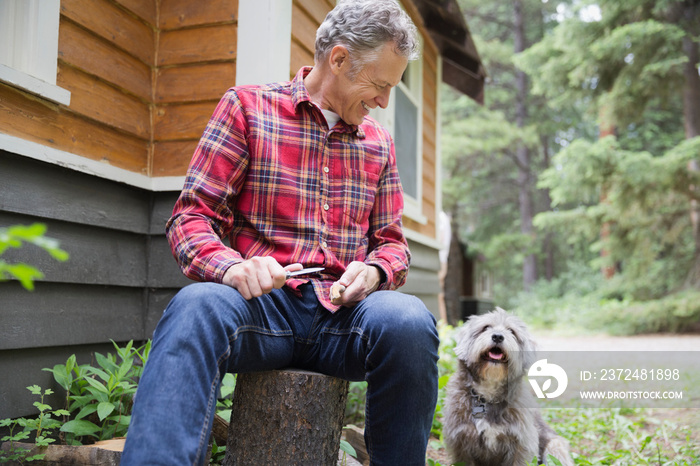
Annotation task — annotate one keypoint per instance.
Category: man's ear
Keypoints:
(338, 59)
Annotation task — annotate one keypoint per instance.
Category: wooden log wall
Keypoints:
(307, 16)
(144, 77)
(195, 65)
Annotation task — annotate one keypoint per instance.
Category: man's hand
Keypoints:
(359, 281)
(257, 276)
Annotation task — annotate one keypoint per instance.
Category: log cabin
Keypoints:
(101, 105)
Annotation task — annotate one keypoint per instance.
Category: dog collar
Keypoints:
(478, 405)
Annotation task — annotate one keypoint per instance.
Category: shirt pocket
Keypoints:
(359, 193)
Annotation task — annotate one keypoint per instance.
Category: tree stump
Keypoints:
(287, 417)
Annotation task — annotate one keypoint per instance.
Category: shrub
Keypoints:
(99, 399)
(41, 427)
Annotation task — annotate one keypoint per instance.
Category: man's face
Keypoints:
(370, 88)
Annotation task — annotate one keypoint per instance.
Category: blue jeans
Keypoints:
(389, 339)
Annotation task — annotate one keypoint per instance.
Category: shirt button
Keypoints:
(326, 169)
(324, 244)
(326, 207)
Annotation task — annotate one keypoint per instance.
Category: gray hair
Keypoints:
(364, 27)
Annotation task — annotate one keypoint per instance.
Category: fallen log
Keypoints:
(106, 454)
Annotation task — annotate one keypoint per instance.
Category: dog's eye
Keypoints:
(514, 334)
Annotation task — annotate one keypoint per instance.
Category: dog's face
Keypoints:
(495, 346)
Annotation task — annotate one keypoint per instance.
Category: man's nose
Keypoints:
(383, 98)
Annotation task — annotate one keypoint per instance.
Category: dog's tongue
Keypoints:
(495, 355)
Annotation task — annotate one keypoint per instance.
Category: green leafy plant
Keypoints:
(217, 453)
(42, 426)
(14, 237)
(355, 403)
(432, 462)
(619, 436)
(447, 364)
(347, 448)
(223, 408)
(225, 400)
(99, 399)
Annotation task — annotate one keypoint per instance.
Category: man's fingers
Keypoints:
(242, 288)
(351, 273)
(293, 267)
(256, 276)
(262, 282)
(359, 280)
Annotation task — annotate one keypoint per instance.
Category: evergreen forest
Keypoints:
(577, 183)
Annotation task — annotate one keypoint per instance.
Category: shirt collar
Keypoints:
(300, 95)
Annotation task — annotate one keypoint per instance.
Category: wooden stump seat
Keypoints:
(286, 417)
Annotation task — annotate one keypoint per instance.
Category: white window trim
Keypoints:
(422, 239)
(34, 85)
(31, 64)
(438, 142)
(413, 207)
(264, 41)
(36, 151)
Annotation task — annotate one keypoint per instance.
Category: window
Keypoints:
(407, 137)
(484, 284)
(403, 119)
(29, 50)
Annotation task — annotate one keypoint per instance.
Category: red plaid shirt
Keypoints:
(269, 175)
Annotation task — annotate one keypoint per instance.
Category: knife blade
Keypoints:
(304, 272)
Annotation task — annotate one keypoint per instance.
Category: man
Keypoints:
(296, 174)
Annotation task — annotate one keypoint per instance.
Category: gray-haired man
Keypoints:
(296, 173)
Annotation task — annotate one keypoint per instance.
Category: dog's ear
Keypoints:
(462, 342)
(529, 347)
(529, 356)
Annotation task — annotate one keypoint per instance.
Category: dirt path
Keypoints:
(657, 342)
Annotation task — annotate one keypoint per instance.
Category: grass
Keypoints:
(619, 436)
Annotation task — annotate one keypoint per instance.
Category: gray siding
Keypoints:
(119, 278)
(422, 280)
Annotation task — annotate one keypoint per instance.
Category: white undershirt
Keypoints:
(331, 118)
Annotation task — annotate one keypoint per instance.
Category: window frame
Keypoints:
(31, 61)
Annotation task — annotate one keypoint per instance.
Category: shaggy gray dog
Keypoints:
(490, 416)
